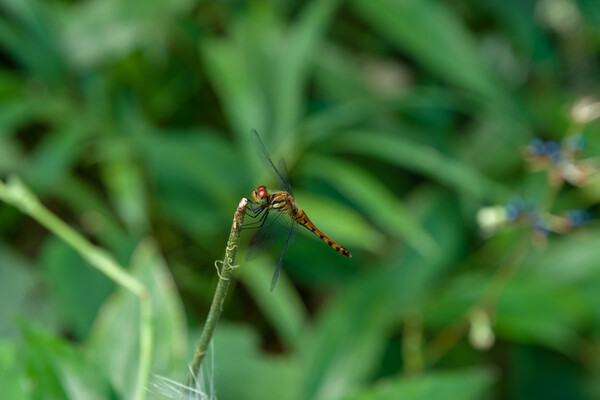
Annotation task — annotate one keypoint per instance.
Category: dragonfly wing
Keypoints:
(288, 241)
(282, 168)
(265, 237)
(263, 154)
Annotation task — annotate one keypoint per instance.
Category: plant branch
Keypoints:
(227, 267)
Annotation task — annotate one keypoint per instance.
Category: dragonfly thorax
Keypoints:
(260, 195)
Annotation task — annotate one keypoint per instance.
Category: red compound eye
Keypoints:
(261, 192)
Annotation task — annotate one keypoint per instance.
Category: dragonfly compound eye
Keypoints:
(260, 195)
(261, 192)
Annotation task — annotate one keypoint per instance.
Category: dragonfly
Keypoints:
(281, 203)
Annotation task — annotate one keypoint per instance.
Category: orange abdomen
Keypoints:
(303, 220)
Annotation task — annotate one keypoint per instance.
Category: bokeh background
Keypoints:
(448, 144)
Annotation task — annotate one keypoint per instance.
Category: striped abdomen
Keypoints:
(301, 217)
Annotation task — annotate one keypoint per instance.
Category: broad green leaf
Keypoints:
(16, 283)
(96, 217)
(200, 159)
(424, 160)
(123, 178)
(58, 369)
(13, 379)
(10, 155)
(114, 341)
(196, 175)
(321, 125)
(338, 221)
(20, 295)
(283, 306)
(430, 32)
(77, 289)
(531, 310)
(570, 259)
(347, 341)
(241, 371)
(96, 31)
(300, 47)
(339, 76)
(22, 110)
(30, 37)
(56, 155)
(10, 84)
(374, 200)
(240, 92)
(460, 385)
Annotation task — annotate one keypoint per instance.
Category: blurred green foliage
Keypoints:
(399, 121)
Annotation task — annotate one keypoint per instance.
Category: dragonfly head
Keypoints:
(260, 195)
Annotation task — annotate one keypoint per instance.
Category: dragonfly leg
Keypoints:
(260, 222)
(254, 211)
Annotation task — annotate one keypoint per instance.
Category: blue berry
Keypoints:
(512, 212)
(541, 228)
(536, 147)
(552, 150)
(578, 217)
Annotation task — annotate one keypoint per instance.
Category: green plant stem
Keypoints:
(146, 344)
(14, 192)
(216, 307)
(453, 333)
(412, 343)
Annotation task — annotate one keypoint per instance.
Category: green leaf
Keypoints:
(296, 56)
(78, 289)
(123, 179)
(242, 371)
(10, 155)
(435, 38)
(96, 217)
(13, 379)
(373, 199)
(114, 341)
(571, 259)
(424, 160)
(56, 155)
(346, 343)
(97, 31)
(321, 125)
(283, 306)
(532, 310)
(460, 385)
(57, 368)
(31, 38)
(200, 159)
(240, 92)
(338, 221)
(17, 282)
(22, 110)
(194, 172)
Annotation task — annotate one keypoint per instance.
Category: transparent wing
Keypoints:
(267, 234)
(288, 241)
(263, 154)
(282, 169)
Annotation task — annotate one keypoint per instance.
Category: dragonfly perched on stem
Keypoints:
(283, 203)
